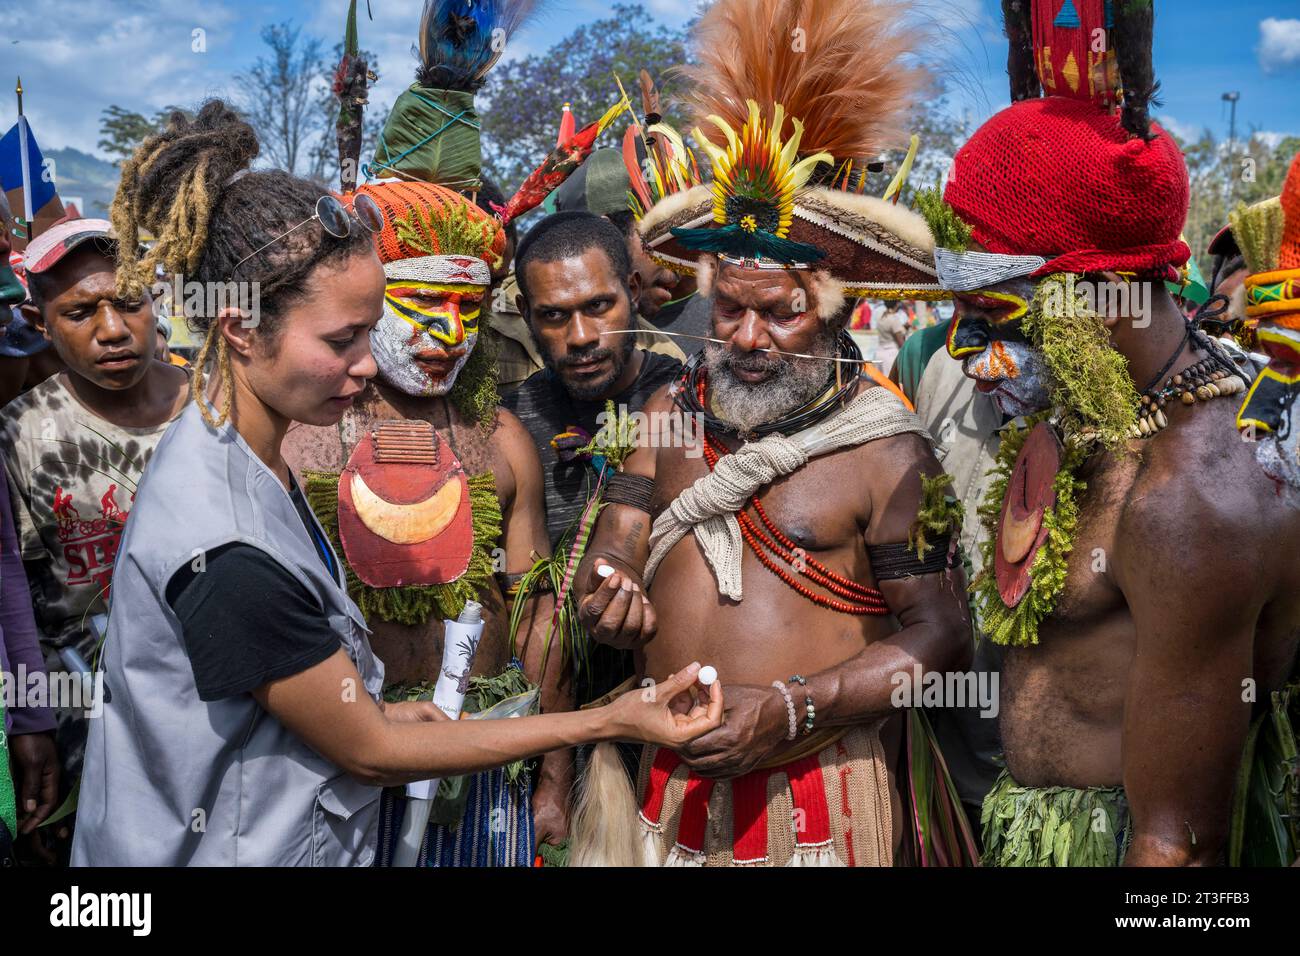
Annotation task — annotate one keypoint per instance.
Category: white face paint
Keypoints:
(428, 330)
(1271, 403)
(1013, 374)
(1280, 457)
(397, 347)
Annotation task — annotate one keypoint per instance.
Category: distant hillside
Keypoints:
(80, 175)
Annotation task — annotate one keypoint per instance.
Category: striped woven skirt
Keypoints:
(830, 807)
(496, 829)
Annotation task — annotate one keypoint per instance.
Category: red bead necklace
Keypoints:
(862, 600)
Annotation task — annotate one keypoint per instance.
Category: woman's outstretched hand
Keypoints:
(669, 713)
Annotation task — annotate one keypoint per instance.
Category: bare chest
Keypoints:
(1090, 593)
(327, 448)
(812, 520)
(413, 653)
(817, 509)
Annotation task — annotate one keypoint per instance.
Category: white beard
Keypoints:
(395, 348)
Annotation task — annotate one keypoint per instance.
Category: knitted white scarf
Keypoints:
(709, 506)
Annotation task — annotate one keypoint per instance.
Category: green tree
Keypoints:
(940, 133)
(1220, 177)
(122, 130)
(280, 95)
(523, 100)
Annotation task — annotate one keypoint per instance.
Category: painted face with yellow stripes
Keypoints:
(427, 333)
(1269, 413)
(986, 337)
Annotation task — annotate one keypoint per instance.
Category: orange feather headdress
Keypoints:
(787, 95)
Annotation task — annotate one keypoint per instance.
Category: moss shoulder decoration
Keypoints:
(949, 231)
(475, 392)
(415, 604)
(1018, 626)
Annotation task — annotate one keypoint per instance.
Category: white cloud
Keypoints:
(1279, 44)
(676, 10)
(1187, 132)
(78, 58)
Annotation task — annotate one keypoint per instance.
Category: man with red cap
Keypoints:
(1126, 521)
(75, 446)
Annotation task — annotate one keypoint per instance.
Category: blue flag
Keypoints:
(11, 167)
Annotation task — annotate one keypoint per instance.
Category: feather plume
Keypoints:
(649, 98)
(844, 68)
(460, 42)
(1018, 26)
(633, 163)
(1258, 231)
(1133, 38)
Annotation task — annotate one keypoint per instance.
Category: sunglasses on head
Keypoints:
(333, 216)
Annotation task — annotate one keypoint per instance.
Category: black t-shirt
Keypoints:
(546, 409)
(246, 620)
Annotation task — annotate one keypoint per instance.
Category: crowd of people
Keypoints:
(628, 476)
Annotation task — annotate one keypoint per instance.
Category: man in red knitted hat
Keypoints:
(1126, 520)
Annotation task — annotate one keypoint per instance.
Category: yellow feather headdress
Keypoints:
(784, 94)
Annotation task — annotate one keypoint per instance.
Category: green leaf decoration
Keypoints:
(1018, 626)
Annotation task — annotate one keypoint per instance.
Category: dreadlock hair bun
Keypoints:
(210, 217)
(170, 186)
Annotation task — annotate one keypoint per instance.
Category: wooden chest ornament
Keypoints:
(404, 510)
(1030, 493)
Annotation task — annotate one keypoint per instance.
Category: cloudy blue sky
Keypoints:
(78, 56)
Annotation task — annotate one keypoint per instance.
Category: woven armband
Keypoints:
(635, 491)
(510, 584)
(890, 561)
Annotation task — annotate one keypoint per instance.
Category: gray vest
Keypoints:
(171, 780)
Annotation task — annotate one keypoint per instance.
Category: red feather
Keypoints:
(634, 172)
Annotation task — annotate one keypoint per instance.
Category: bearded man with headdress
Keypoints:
(432, 493)
(787, 555)
(1129, 532)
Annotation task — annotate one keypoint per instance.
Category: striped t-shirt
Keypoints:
(547, 409)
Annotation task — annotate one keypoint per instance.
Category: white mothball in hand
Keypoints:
(707, 675)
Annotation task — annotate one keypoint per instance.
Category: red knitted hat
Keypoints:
(1060, 178)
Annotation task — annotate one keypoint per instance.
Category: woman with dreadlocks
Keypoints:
(244, 724)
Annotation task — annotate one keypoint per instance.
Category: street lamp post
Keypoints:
(1231, 99)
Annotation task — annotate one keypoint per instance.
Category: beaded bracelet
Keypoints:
(789, 707)
(810, 713)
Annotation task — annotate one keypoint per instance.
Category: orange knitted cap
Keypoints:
(1289, 257)
(421, 219)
